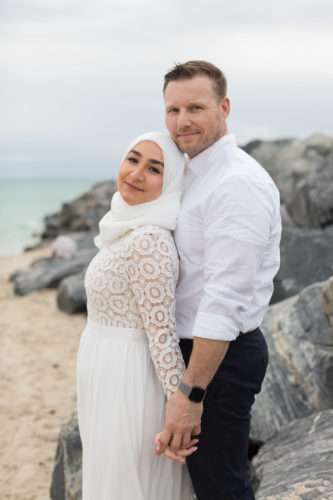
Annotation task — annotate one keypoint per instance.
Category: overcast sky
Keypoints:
(80, 79)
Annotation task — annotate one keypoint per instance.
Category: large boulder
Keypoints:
(298, 462)
(48, 272)
(82, 214)
(306, 258)
(303, 172)
(312, 203)
(299, 379)
(71, 294)
(67, 473)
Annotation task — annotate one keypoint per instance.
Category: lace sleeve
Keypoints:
(153, 272)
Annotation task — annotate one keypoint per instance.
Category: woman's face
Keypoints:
(140, 175)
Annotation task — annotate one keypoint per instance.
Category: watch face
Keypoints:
(197, 394)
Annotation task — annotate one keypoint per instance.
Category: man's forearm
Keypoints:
(206, 357)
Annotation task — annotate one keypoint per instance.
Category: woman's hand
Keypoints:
(180, 455)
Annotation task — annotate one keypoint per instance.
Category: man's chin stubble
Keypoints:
(192, 152)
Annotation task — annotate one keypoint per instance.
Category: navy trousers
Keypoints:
(218, 467)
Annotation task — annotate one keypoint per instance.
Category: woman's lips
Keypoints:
(133, 187)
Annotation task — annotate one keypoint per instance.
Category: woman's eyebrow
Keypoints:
(135, 152)
(156, 162)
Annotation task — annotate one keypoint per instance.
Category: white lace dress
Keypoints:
(128, 360)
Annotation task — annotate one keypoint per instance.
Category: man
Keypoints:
(228, 236)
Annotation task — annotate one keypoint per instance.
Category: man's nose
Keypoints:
(183, 119)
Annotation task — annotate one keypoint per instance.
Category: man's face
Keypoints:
(194, 116)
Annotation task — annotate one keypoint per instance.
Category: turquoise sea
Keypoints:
(24, 204)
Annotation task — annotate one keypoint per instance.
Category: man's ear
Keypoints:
(225, 105)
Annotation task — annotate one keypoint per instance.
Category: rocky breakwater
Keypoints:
(303, 172)
(307, 238)
(81, 215)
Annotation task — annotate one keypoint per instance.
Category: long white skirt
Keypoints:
(120, 409)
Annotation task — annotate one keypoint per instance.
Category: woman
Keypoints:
(129, 357)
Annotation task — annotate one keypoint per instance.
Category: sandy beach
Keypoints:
(38, 345)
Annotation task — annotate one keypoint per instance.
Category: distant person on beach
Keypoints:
(129, 359)
(227, 236)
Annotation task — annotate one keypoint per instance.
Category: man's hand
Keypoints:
(183, 419)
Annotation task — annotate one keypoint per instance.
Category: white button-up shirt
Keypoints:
(228, 236)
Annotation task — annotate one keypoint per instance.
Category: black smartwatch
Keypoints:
(194, 393)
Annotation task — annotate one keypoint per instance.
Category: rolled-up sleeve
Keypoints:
(237, 225)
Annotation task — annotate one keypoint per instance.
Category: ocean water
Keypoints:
(24, 204)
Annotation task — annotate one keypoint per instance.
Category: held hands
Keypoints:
(183, 419)
(180, 455)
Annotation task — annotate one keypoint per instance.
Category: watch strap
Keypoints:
(194, 393)
(184, 388)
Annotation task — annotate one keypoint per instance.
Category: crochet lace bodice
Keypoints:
(131, 284)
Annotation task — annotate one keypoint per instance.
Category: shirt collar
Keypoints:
(211, 154)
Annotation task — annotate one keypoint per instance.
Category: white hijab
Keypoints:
(160, 212)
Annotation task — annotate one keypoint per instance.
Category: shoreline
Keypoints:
(40, 198)
(38, 345)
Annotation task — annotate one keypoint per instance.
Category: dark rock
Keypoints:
(327, 302)
(71, 295)
(306, 257)
(67, 474)
(252, 146)
(83, 214)
(299, 379)
(48, 272)
(265, 152)
(298, 462)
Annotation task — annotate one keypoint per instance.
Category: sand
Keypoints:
(38, 345)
